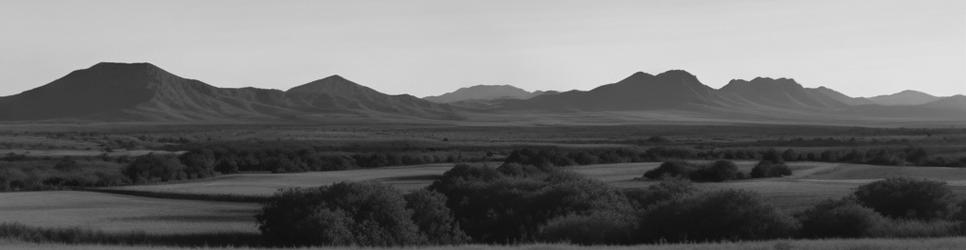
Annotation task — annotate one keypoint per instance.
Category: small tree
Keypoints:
(908, 198)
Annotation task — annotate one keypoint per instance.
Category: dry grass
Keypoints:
(838, 244)
(122, 214)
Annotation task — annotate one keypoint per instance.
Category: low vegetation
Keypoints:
(527, 204)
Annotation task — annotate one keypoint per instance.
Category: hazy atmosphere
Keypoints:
(430, 47)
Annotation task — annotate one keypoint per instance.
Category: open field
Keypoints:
(404, 178)
(121, 213)
(832, 244)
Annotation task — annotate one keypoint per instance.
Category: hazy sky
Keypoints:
(861, 48)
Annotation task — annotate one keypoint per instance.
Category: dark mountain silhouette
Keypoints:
(780, 93)
(483, 93)
(904, 98)
(676, 89)
(144, 92)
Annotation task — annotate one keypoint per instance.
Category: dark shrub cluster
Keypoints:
(840, 219)
(286, 156)
(769, 169)
(493, 207)
(908, 198)
(715, 172)
(160, 168)
(718, 215)
(52, 174)
(364, 214)
(896, 207)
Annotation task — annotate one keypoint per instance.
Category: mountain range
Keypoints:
(142, 92)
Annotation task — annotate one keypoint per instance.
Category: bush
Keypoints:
(666, 190)
(602, 228)
(908, 198)
(495, 208)
(677, 169)
(434, 219)
(768, 169)
(154, 168)
(718, 171)
(840, 219)
(364, 214)
(715, 216)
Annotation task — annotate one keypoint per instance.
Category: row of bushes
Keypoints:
(718, 171)
(35, 174)
(876, 156)
(521, 204)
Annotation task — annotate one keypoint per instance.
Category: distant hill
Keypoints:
(782, 92)
(483, 93)
(676, 89)
(904, 98)
(957, 102)
(144, 92)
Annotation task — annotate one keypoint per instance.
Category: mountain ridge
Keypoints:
(145, 92)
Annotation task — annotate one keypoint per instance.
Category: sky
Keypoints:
(861, 48)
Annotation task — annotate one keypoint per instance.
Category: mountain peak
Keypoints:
(334, 85)
(676, 73)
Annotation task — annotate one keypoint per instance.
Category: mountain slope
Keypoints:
(904, 98)
(483, 93)
(838, 96)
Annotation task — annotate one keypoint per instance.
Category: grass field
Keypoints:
(404, 178)
(834, 244)
(811, 182)
(121, 213)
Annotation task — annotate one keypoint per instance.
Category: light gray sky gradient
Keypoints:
(861, 48)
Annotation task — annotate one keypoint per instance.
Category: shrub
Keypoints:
(908, 198)
(495, 208)
(666, 190)
(365, 214)
(718, 171)
(434, 219)
(768, 169)
(678, 169)
(602, 228)
(714, 216)
(154, 168)
(840, 219)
